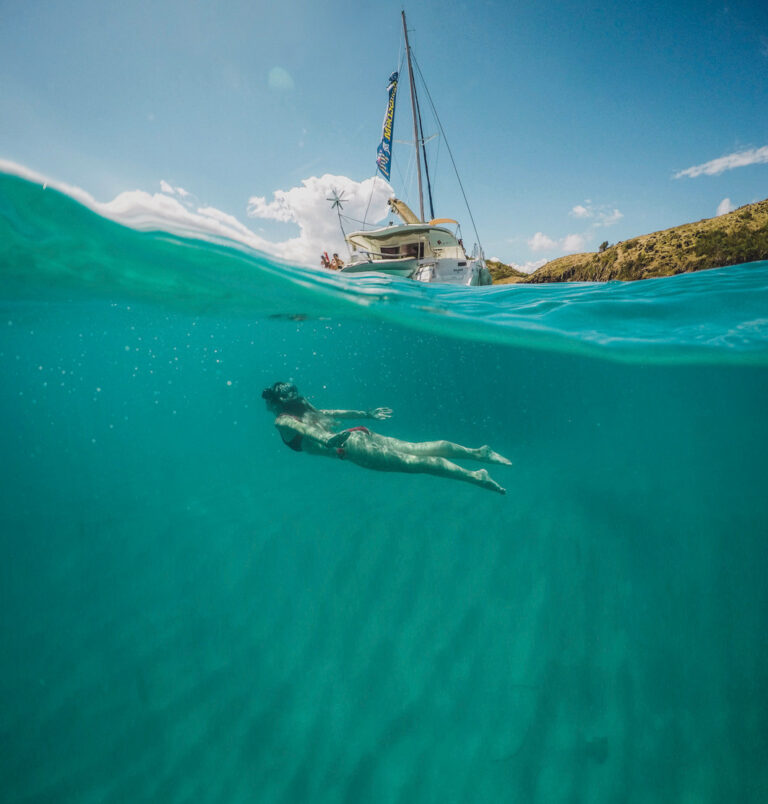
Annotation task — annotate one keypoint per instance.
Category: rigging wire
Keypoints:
(426, 164)
(447, 145)
(421, 141)
(436, 164)
(350, 219)
(370, 198)
(407, 177)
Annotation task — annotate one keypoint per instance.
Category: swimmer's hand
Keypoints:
(338, 440)
(379, 413)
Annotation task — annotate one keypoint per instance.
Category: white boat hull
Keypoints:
(453, 272)
(445, 271)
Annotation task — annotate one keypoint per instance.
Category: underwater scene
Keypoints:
(192, 611)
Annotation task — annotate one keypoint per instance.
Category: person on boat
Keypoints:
(324, 260)
(337, 263)
(305, 428)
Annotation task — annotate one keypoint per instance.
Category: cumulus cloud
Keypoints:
(573, 243)
(753, 156)
(568, 245)
(170, 190)
(725, 206)
(602, 215)
(592, 215)
(306, 206)
(276, 210)
(528, 267)
(609, 218)
(540, 242)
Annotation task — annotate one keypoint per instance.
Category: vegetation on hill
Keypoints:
(504, 273)
(740, 236)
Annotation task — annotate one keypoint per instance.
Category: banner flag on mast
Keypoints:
(384, 151)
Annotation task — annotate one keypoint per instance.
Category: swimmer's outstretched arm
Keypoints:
(373, 413)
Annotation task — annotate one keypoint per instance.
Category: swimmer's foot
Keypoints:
(485, 453)
(487, 482)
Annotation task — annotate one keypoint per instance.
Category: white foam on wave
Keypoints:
(174, 210)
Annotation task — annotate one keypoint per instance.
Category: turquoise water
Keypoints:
(192, 612)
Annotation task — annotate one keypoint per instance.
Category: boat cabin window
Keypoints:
(410, 250)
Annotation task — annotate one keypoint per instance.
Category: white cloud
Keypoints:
(609, 218)
(753, 156)
(276, 210)
(603, 215)
(528, 267)
(725, 206)
(594, 216)
(280, 80)
(306, 206)
(568, 245)
(540, 242)
(573, 243)
(170, 190)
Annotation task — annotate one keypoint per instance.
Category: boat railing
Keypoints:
(476, 254)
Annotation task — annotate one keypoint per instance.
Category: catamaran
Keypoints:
(419, 249)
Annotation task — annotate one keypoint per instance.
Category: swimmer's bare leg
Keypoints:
(406, 462)
(382, 454)
(444, 468)
(485, 453)
(447, 449)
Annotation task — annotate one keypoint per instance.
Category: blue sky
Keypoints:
(571, 123)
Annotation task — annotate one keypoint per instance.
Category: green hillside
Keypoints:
(502, 273)
(739, 236)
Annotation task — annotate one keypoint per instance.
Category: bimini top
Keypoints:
(437, 236)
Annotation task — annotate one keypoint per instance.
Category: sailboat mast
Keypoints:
(415, 117)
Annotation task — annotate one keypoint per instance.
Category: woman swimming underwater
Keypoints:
(304, 428)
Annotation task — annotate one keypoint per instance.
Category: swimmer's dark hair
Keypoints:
(286, 395)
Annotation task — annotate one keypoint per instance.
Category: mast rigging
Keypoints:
(416, 117)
